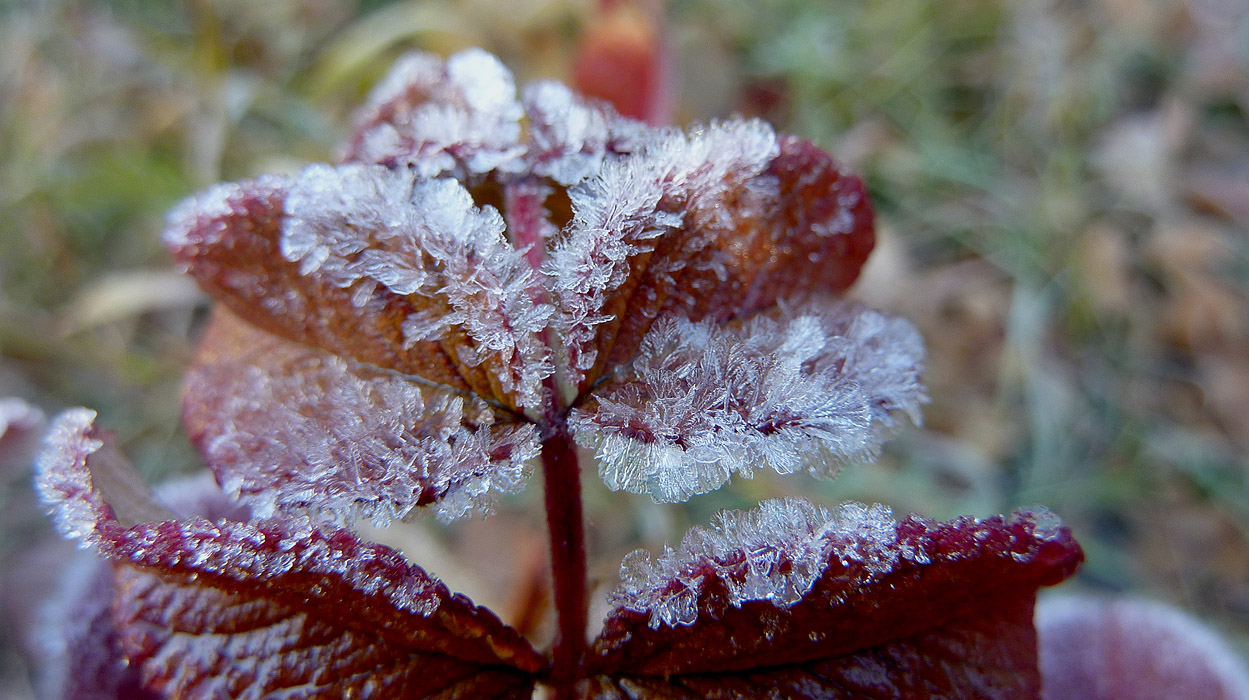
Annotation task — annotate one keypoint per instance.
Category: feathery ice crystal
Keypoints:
(487, 280)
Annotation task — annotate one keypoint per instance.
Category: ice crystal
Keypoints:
(460, 117)
(518, 251)
(774, 553)
(569, 138)
(290, 427)
(808, 387)
(676, 181)
(364, 225)
(793, 595)
(74, 470)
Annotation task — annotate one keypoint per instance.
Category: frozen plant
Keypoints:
(489, 280)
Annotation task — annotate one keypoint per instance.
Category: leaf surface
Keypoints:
(288, 427)
(228, 239)
(518, 250)
(849, 604)
(717, 223)
(803, 387)
(276, 608)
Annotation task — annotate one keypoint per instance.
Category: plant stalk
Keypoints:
(562, 482)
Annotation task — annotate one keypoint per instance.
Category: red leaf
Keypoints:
(844, 605)
(285, 426)
(718, 224)
(401, 260)
(268, 608)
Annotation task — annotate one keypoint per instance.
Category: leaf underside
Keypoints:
(276, 608)
(847, 605)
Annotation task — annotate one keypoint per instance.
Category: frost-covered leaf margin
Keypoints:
(815, 603)
(805, 386)
(273, 608)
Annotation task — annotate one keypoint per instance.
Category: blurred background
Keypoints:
(1063, 199)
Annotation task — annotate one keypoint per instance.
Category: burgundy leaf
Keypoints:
(1126, 649)
(81, 656)
(848, 604)
(562, 233)
(276, 608)
(73, 642)
(807, 386)
(287, 426)
(721, 222)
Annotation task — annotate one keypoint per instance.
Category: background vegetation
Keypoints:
(1063, 191)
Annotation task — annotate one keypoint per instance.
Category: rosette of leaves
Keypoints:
(489, 279)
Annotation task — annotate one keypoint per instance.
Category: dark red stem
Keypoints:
(562, 479)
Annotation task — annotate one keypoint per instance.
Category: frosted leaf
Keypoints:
(569, 138)
(460, 117)
(231, 609)
(363, 226)
(229, 239)
(287, 427)
(797, 600)
(675, 185)
(721, 222)
(805, 387)
(76, 651)
(74, 644)
(74, 470)
(774, 553)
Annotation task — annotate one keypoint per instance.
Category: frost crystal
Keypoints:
(361, 226)
(570, 138)
(62, 478)
(808, 387)
(233, 609)
(460, 118)
(675, 181)
(285, 427)
(775, 553)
